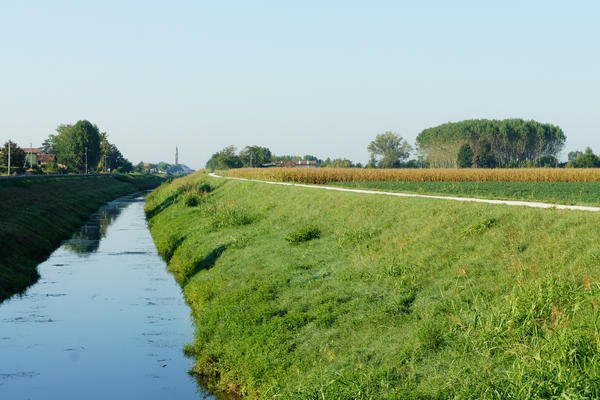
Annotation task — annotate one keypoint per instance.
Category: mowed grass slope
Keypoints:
(37, 214)
(304, 294)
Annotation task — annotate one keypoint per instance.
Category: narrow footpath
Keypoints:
(425, 196)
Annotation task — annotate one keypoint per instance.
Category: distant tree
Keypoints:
(111, 158)
(17, 156)
(48, 145)
(258, 155)
(484, 157)
(71, 143)
(505, 143)
(338, 163)
(372, 163)
(286, 158)
(125, 166)
(574, 154)
(309, 157)
(547, 162)
(51, 168)
(587, 160)
(224, 159)
(465, 156)
(139, 167)
(391, 149)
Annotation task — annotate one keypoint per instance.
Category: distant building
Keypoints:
(306, 164)
(291, 164)
(34, 156)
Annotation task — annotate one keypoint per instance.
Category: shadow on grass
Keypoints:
(207, 262)
(162, 206)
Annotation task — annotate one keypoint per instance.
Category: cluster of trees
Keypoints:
(257, 156)
(482, 143)
(491, 143)
(77, 147)
(388, 150)
(583, 159)
(82, 147)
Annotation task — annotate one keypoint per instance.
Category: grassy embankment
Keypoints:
(557, 186)
(37, 214)
(392, 298)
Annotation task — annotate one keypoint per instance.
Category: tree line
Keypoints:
(78, 148)
(491, 143)
(388, 150)
(510, 143)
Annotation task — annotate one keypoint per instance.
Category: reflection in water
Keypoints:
(109, 325)
(87, 240)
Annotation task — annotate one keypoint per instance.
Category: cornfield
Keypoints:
(327, 175)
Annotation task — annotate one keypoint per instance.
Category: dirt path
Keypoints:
(425, 196)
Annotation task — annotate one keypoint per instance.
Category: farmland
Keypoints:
(317, 294)
(569, 186)
(328, 175)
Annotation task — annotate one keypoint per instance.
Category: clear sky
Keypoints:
(302, 77)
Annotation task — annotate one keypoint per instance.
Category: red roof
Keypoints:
(42, 158)
(34, 150)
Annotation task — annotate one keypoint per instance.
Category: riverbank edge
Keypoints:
(38, 215)
(407, 276)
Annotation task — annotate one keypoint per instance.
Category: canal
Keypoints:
(105, 321)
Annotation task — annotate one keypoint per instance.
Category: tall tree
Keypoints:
(17, 156)
(111, 158)
(72, 142)
(389, 150)
(48, 145)
(255, 156)
(465, 156)
(224, 159)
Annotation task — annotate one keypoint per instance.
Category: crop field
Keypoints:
(304, 294)
(328, 175)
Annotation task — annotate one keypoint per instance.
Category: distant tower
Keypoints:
(176, 156)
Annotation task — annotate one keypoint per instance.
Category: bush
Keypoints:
(191, 200)
(304, 234)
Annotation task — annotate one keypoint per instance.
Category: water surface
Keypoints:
(105, 320)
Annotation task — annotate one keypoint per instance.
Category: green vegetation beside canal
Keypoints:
(308, 294)
(37, 214)
(570, 193)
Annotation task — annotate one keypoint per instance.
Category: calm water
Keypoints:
(105, 321)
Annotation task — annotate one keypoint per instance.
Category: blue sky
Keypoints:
(310, 77)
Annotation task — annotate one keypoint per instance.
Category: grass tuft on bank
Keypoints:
(37, 214)
(398, 298)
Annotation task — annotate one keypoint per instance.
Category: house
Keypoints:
(34, 156)
(31, 155)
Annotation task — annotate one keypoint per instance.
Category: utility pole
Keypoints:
(86, 167)
(250, 158)
(9, 157)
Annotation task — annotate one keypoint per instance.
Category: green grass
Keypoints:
(570, 193)
(37, 214)
(398, 298)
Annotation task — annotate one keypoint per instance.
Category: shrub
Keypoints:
(304, 234)
(191, 200)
